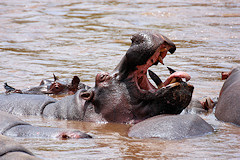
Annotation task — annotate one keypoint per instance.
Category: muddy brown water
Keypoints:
(39, 38)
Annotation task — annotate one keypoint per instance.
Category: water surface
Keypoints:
(39, 38)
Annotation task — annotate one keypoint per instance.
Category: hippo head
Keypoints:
(56, 86)
(127, 96)
(63, 87)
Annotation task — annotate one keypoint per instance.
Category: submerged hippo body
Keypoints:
(70, 107)
(11, 150)
(171, 127)
(199, 106)
(15, 127)
(228, 106)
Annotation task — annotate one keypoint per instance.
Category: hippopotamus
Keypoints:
(228, 106)
(11, 150)
(70, 107)
(13, 126)
(127, 96)
(51, 87)
(204, 105)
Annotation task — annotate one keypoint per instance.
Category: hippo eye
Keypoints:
(58, 87)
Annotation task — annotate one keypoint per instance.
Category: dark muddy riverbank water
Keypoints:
(39, 38)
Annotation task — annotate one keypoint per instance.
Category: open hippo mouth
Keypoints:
(147, 49)
(127, 95)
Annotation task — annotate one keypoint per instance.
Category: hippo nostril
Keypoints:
(88, 95)
(102, 78)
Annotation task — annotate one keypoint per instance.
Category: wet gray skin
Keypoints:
(15, 127)
(171, 127)
(228, 106)
(11, 150)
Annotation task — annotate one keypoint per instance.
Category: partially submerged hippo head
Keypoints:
(53, 87)
(62, 87)
(127, 96)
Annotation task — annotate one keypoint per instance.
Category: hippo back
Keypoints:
(8, 121)
(11, 150)
(171, 127)
(24, 104)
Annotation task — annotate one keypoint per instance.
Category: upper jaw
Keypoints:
(147, 49)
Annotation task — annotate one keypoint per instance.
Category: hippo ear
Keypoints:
(87, 95)
(75, 81)
(55, 77)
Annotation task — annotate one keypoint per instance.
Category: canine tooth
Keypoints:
(171, 70)
(156, 79)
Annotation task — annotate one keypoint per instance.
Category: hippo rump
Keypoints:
(14, 127)
(124, 96)
(228, 106)
(11, 150)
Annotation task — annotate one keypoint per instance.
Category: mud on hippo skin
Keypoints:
(228, 106)
(127, 96)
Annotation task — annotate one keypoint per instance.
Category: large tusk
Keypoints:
(156, 79)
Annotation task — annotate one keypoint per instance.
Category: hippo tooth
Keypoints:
(171, 70)
(160, 59)
(156, 79)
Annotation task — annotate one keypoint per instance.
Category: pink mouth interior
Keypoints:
(140, 75)
(143, 83)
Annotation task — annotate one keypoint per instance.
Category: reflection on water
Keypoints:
(85, 37)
